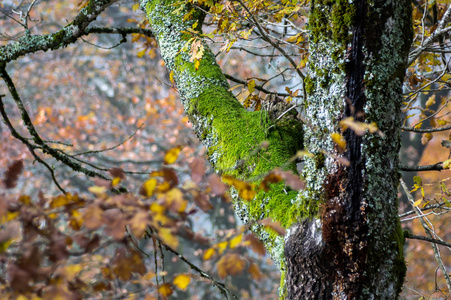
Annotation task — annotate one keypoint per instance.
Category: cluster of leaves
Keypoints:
(74, 247)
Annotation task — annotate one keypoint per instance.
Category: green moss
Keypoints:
(400, 263)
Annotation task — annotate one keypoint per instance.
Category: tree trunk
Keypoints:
(358, 54)
(344, 239)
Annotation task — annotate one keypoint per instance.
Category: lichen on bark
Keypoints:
(231, 134)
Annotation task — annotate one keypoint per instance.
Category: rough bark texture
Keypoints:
(231, 134)
(358, 55)
(345, 240)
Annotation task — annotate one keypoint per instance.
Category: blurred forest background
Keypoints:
(112, 106)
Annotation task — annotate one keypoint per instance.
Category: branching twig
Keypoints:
(30, 147)
(439, 32)
(276, 46)
(36, 138)
(428, 232)
(221, 286)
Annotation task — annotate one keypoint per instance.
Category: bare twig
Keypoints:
(429, 233)
(435, 167)
(36, 138)
(30, 147)
(221, 286)
(408, 235)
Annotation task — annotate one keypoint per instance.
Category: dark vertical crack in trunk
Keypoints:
(344, 219)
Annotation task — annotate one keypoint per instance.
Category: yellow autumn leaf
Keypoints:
(168, 237)
(115, 181)
(447, 164)
(182, 281)
(59, 201)
(72, 271)
(251, 86)
(246, 194)
(157, 208)
(222, 246)
(141, 53)
(135, 6)
(236, 241)
(171, 77)
(196, 64)
(430, 101)
(418, 202)
(171, 155)
(209, 253)
(165, 289)
(339, 140)
(149, 187)
(293, 38)
(230, 264)
(97, 190)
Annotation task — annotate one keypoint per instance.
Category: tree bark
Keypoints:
(344, 239)
(358, 54)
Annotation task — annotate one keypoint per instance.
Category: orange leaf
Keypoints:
(230, 264)
(256, 245)
(255, 272)
(165, 289)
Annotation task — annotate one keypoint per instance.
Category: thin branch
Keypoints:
(428, 207)
(428, 232)
(419, 130)
(36, 138)
(69, 34)
(439, 32)
(30, 147)
(221, 286)
(435, 167)
(408, 235)
(118, 30)
(276, 46)
(257, 87)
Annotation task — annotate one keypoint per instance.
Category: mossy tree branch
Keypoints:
(231, 134)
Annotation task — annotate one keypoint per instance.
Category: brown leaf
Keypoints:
(198, 169)
(273, 225)
(12, 174)
(124, 265)
(170, 176)
(256, 245)
(216, 185)
(230, 264)
(139, 223)
(93, 243)
(255, 272)
(115, 224)
(202, 201)
(270, 178)
(117, 172)
(93, 217)
(291, 180)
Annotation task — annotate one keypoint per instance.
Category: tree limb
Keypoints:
(69, 34)
(435, 167)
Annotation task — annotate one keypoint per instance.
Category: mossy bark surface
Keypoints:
(344, 240)
(358, 54)
(231, 134)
